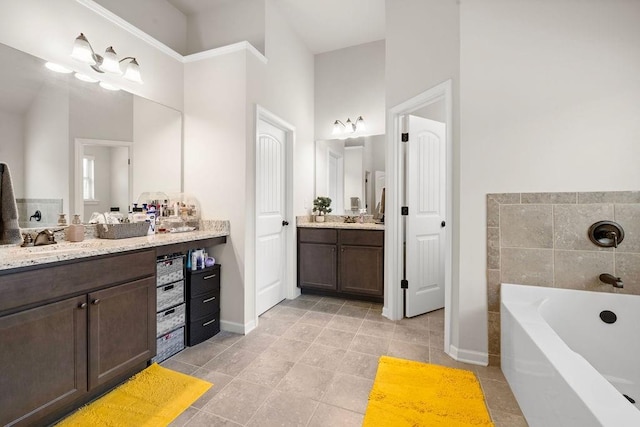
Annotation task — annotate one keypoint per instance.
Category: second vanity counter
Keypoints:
(305, 222)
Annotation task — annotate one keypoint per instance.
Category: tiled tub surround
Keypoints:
(50, 210)
(540, 239)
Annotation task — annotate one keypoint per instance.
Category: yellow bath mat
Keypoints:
(408, 393)
(153, 397)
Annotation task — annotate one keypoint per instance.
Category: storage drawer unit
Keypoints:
(169, 344)
(170, 306)
(170, 295)
(203, 304)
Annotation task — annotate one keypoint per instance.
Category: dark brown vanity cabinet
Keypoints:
(341, 262)
(70, 331)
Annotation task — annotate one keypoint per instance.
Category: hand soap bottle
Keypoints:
(75, 231)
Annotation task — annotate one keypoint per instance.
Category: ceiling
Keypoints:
(323, 25)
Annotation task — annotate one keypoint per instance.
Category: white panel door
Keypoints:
(270, 221)
(426, 199)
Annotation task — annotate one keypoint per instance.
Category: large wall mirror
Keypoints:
(50, 122)
(352, 173)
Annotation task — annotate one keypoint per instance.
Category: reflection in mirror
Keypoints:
(351, 173)
(42, 113)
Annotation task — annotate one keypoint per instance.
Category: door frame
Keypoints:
(393, 308)
(291, 290)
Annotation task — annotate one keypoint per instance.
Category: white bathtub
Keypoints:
(566, 366)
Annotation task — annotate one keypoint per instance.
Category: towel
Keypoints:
(9, 228)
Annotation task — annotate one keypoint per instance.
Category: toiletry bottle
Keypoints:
(194, 260)
(138, 215)
(75, 231)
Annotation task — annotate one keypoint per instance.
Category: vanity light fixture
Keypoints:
(109, 62)
(349, 126)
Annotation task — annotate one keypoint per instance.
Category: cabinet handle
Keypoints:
(82, 305)
(209, 299)
(168, 288)
(168, 312)
(209, 277)
(209, 322)
(95, 301)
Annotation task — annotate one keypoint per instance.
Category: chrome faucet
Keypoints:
(45, 237)
(609, 279)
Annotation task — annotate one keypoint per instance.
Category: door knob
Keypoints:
(442, 224)
(95, 301)
(284, 223)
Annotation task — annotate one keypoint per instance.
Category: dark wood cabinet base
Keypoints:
(344, 295)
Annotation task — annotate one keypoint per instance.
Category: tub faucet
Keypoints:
(607, 278)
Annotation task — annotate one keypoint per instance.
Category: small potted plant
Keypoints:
(321, 207)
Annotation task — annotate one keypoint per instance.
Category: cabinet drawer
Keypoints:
(318, 235)
(169, 344)
(171, 319)
(170, 295)
(362, 237)
(170, 270)
(203, 329)
(204, 281)
(204, 305)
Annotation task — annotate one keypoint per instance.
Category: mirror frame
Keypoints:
(80, 143)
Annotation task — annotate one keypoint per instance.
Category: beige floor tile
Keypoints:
(310, 297)
(358, 303)
(439, 357)
(349, 392)
(184, 417)
(205, 419)
(182, 367)
(411, 334)
(505, 419)
(421, 321)
(353, 311)
(377, 329)
(316, 318)
(272, 326)
(436, 313)
(409, 351)
(344, 323)
(375, 315)
(323, 357)
(225, 338)
(306, 381)
(436, 323)
(375, 346)
(266, 370)
(359, 364)
(288, 313)
(284, 410)
(436, 339)
(199, 354)
(326, 307)
(333, 300)
(335, 338)
(231, 361)
(238, 401)
(490, 372)
(287, 349)
(499, 396)
(255, 342)
(303, 332)
(302, 304)
(218, 380)
(329, 415)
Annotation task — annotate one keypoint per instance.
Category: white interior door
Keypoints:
(425, 227)
(270, 212)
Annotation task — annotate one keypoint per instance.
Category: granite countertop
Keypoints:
(338, 222)
(14, 256)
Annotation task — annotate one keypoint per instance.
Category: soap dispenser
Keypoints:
(75, 231)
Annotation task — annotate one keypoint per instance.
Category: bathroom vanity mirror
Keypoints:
(351, 173)
(42, 116)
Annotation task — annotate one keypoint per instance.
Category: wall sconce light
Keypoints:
(349, 126)
(82, 51)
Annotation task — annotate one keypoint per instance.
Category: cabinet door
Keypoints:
(43, 360)
(122, 329)
(317, 266)
(361, 270)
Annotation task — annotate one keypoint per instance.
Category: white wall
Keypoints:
(157, 151)
(353, 177)
(549, 99)
(119, 175)
(47, 30)
(11, 152)
(46, 146)
(227, 23)
(349, 83)
(102, 183)
(158, 18)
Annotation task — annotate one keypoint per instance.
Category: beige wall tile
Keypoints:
(580, 269)
(572, 222)
(494, 333)
(527, 266)
(549, 198)
(526, 226)
(609, 197)
(493, 247)
(505, 198)
(493, 290)
(628, 269)
(493, 212)
(628, 216)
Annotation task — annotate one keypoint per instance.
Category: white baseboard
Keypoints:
(469, 356)
(237, 328)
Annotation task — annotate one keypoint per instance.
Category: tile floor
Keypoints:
(312, 361)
